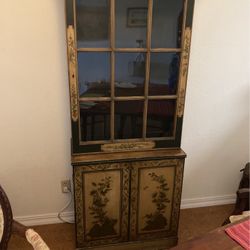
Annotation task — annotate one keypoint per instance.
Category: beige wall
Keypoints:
(216, 122)
(34, 103)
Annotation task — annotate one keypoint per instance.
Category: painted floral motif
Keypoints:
(102, 224)
(156, 220)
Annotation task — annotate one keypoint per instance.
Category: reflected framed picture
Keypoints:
(92, 23)
(137, 17)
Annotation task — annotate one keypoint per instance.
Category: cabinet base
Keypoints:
(160, 244)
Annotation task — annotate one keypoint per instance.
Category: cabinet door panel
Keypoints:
(155, 198)
(101, 197)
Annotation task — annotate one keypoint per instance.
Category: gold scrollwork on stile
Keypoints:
(184, 71)
(72, 72)
(82, 193)
(127, 146)
(78, 205)
(177, 195)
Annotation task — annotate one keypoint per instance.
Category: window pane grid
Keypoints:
(112, 44)
(113, 49)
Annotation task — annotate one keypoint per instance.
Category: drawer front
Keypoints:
(155, 198)
(101, 203)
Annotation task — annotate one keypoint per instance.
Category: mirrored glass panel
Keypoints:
(167, 23)
(128, 119)
(160, 118)
(95, 121)
(131, 23)
(93, 23)
(130, 74)
(164, 73)
(94, 74)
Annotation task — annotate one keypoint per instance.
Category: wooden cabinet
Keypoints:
(128, 66)
(128, 200)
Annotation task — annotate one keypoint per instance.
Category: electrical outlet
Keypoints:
(66, 186)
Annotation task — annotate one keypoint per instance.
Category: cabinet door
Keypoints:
(155, 198)
(101, 203)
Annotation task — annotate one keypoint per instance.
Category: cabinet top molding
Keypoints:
(128, 156)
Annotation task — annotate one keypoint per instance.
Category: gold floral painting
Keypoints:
(156, 187)
(102, 211)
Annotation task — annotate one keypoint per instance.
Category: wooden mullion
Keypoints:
(129, 50)
(166, 50)
(94, 49)
(112, 116)
(160, 138)
(129, 140)
(112, 82)
(147, 77)
(129, 98)
(93, 142)
(94, 99)
(162, 97)
(132, 50)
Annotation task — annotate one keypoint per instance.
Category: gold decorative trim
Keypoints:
(72, 73)
(78, 186)
(184, 71)
(177, 195)
(127, 146)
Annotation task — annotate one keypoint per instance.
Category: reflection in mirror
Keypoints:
(164, 73)
(130, 74)
(160, 118)
(131, 23)
(92, 18)
(94, 74)
(167, 23)
(128, 119)
(95, 121)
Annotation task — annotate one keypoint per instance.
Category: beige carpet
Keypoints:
(193, 222)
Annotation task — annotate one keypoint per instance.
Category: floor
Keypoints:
(193, 222)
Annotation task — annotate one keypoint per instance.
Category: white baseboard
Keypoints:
(43, 219)
(208, 201)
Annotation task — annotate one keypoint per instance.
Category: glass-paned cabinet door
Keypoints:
(128, 64)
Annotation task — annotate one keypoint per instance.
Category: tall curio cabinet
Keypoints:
(128, 66)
